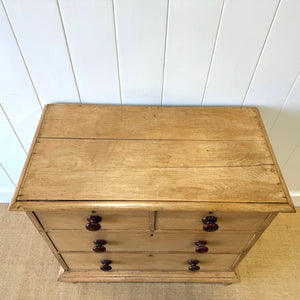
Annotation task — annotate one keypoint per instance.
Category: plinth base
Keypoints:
(146, 276)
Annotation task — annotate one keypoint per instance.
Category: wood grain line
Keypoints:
(152, 219)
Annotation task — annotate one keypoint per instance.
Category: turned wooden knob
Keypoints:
(201, 246)
(106, 265)
(93, 223)
(99, 246)
(210, 223)
(193, 264)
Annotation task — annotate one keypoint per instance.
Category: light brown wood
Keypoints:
(254, 239)
(151, 122)
(148, 261)
(137, 206)
(164, 220)
(284, 187)
(152, 221)
(93, 154)
(271, 270)
(154, 276)
(46, 238)
(13, 203)
(152, 174)
(193, 220)
(222, 184)
(110, 220)
(132, 241)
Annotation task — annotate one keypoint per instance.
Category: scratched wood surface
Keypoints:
(142, 153)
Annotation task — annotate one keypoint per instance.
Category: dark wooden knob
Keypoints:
(106, 265)
(201, 246)
(193, 261)
(106, 261)
(210, 223)
(200, 243)
(106, 268)
(93, 226)
(93, 223)
(100, 242)
(193, 264)
(211, 219)
(96, 219)
(99, 246)
(194, 268)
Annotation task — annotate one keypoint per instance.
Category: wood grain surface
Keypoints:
(149, 261)
(132, 241)
(150, 153)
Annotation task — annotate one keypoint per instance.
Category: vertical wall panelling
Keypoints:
(291, 171)
(6, 187)
(285, 133)
(40, 35)
(17, 95)
(279, 63)
(140, 28)
(89, 27)
(191, 36)
(12, 155)
(243, 30)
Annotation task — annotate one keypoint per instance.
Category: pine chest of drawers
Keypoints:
(135, 193)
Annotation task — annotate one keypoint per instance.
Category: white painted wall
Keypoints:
(152, 52)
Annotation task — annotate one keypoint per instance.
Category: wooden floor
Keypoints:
(29, 270)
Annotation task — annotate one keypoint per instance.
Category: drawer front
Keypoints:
(118, 241)
(110, 220)
(147, 261)
(193, 220)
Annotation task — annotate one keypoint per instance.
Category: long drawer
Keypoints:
(147, 261)
(79, 240)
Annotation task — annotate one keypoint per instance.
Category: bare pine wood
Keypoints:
(152, 220)
(210, 161)
(138, 206)
(255, 238)
(246, 184)
(151, 122)
(132, 241)
(27, 162)
(84, 154)
(139, 276)
(46, 238)
(152, 174)
(164, 220)
(284, 187)
(193, 220)
(110, 220)
(148, 261)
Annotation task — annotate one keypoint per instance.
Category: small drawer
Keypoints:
(118, 241)
(149, 261)
(109, 220)
(235, 221)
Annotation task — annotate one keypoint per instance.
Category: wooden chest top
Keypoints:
(168, 158)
